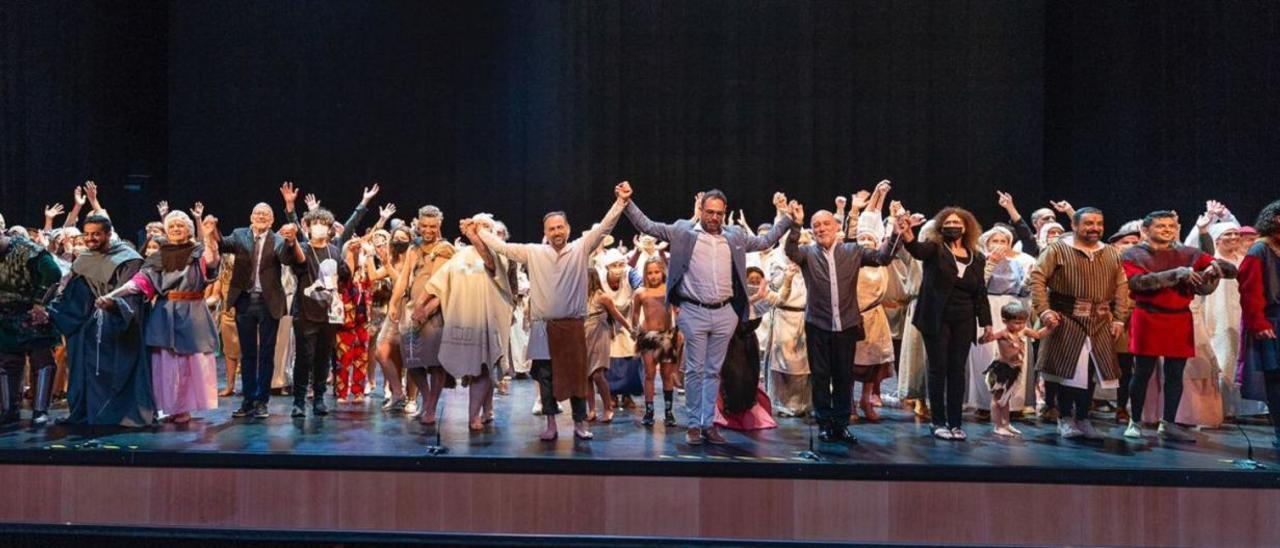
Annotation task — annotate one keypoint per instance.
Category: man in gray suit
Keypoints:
(707, 281)
(833, 320)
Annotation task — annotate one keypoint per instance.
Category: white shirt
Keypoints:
(557, 279)
(259, 244)
(830, 254)
(709, 279)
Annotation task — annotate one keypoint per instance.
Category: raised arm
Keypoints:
(596, 234)
(77, 203)
(783, 222)
(661, 231)
(357, 216)
(1020, 228)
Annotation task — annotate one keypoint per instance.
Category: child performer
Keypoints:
(657, 339)
(1003, 373)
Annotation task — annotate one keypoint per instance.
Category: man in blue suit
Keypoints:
(707, 281)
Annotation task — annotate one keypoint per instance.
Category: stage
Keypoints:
(359, 469)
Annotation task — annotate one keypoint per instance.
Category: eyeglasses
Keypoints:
(713, 213)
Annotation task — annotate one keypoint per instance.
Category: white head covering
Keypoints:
(986, 236)
(869, 222)
(1043, 237)
(610, 256)
(1216, 230)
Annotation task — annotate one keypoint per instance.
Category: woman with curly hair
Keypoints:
(953, 304)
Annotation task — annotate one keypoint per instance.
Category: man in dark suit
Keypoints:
(259, 300)
(833, 320)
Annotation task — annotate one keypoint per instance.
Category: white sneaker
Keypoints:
(1134, 430)
(1067, 428)
(942, 433)
(1173, 432)
(1088, 431)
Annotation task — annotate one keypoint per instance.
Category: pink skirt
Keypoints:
(183, 383)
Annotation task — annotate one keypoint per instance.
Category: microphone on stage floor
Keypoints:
(1246, 463)
(438, 449)
(811, 454)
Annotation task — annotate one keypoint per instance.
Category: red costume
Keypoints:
(1161, 323)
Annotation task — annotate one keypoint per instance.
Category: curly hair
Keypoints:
(319, 215)
(972, 228)
(1267, 224)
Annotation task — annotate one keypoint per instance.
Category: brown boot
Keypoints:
(693, 436)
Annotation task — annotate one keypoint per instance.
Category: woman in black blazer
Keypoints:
(952, 305)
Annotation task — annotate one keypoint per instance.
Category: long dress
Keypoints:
(520, 362)
(353, 337)
(626, 370)
(788, 357)
(180, 333)
(1006, 283)
(873, 355)
(475, 304)
(599, 332)
(286, 347)
(912, 364)
(1222, 316)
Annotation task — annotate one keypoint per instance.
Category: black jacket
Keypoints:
(240, 243)
(938, 279)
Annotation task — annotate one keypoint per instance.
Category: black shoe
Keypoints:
(826, 435)
(39, 418)
(299, 410)
(319, 408)
(669, 419)
(844, 435)
(260, 411)
(648, 417)
(243, 411)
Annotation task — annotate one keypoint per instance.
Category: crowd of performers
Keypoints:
(1051, 318)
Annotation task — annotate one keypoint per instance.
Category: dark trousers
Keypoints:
(948, 351)
(831, 373)
(1050, 393)
(541, 372)
(12, 366)
(257, 331)
(1075, 402)
(1144, 366)
(1126, 376)
(314, 342)
(1273, 398)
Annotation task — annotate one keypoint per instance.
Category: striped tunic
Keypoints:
(1064, 271)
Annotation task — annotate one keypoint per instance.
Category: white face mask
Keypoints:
(319, 232)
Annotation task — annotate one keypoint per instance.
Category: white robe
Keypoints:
(477, 311)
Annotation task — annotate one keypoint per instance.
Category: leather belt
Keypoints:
(184, 296)
(790, 308)
(713, 306)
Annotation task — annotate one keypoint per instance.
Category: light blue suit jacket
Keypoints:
(682, 237)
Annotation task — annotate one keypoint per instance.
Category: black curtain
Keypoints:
(524, 107)
(83, 95)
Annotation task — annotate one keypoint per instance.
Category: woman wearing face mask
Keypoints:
(873, 355)
(179, 330)
(1007, 274)
(952, 306)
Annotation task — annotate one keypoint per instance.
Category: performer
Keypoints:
(558, 300)
(419, 333)
(472, 290)
(1164, 278)
(256, 294)
(353, 337)
(1007, 273)
(657, 339)
(873, 356)
(626, 369)
(109, 374)
(1128, 236)
(179, 329)
(1260, 300)
(215, 297)
(953, 305)
(387, 343)
(317, 309)
(1003, 374)
(833, 322)
(786, 350)
(28, 277)
(603, 320)
(1079, 291)
(708, 281)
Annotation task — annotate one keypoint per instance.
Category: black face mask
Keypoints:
(399, 247)
(951, 233)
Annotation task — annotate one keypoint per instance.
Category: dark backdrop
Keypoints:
(519, 108)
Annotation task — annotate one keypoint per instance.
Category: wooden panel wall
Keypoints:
(920, 512)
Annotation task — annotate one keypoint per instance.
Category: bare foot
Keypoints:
(608, 417)
(550, 433)
(226, 393)
(475, 425)
(427, 419)
(182, 418)
(591, 417)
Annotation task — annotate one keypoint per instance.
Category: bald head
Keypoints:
(825, 227)
(262, 217)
